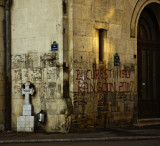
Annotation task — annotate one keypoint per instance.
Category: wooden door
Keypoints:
(148, 80)
(148, 65)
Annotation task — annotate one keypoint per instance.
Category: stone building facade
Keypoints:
(94, 80)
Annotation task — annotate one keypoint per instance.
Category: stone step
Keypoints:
(145, 122)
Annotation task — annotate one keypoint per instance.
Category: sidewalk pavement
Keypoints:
(132, 133)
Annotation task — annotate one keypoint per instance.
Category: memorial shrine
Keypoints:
(25, 123)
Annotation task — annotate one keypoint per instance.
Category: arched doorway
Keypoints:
(148, 38)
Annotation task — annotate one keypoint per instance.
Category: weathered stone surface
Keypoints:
(35, 25)
(25, 123)
(113, 91)
(58, 123)
(18, 61)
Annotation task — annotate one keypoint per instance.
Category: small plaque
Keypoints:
(54, 46)
(116, 60)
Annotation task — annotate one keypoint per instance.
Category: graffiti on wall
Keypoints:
(104, 81)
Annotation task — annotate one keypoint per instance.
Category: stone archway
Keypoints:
(140, 5)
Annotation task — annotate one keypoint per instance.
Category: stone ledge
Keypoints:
(101, 25)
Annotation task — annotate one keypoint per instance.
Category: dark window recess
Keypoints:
(64, 7)
(101, 45)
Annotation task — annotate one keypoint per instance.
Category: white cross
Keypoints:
(27, 92)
